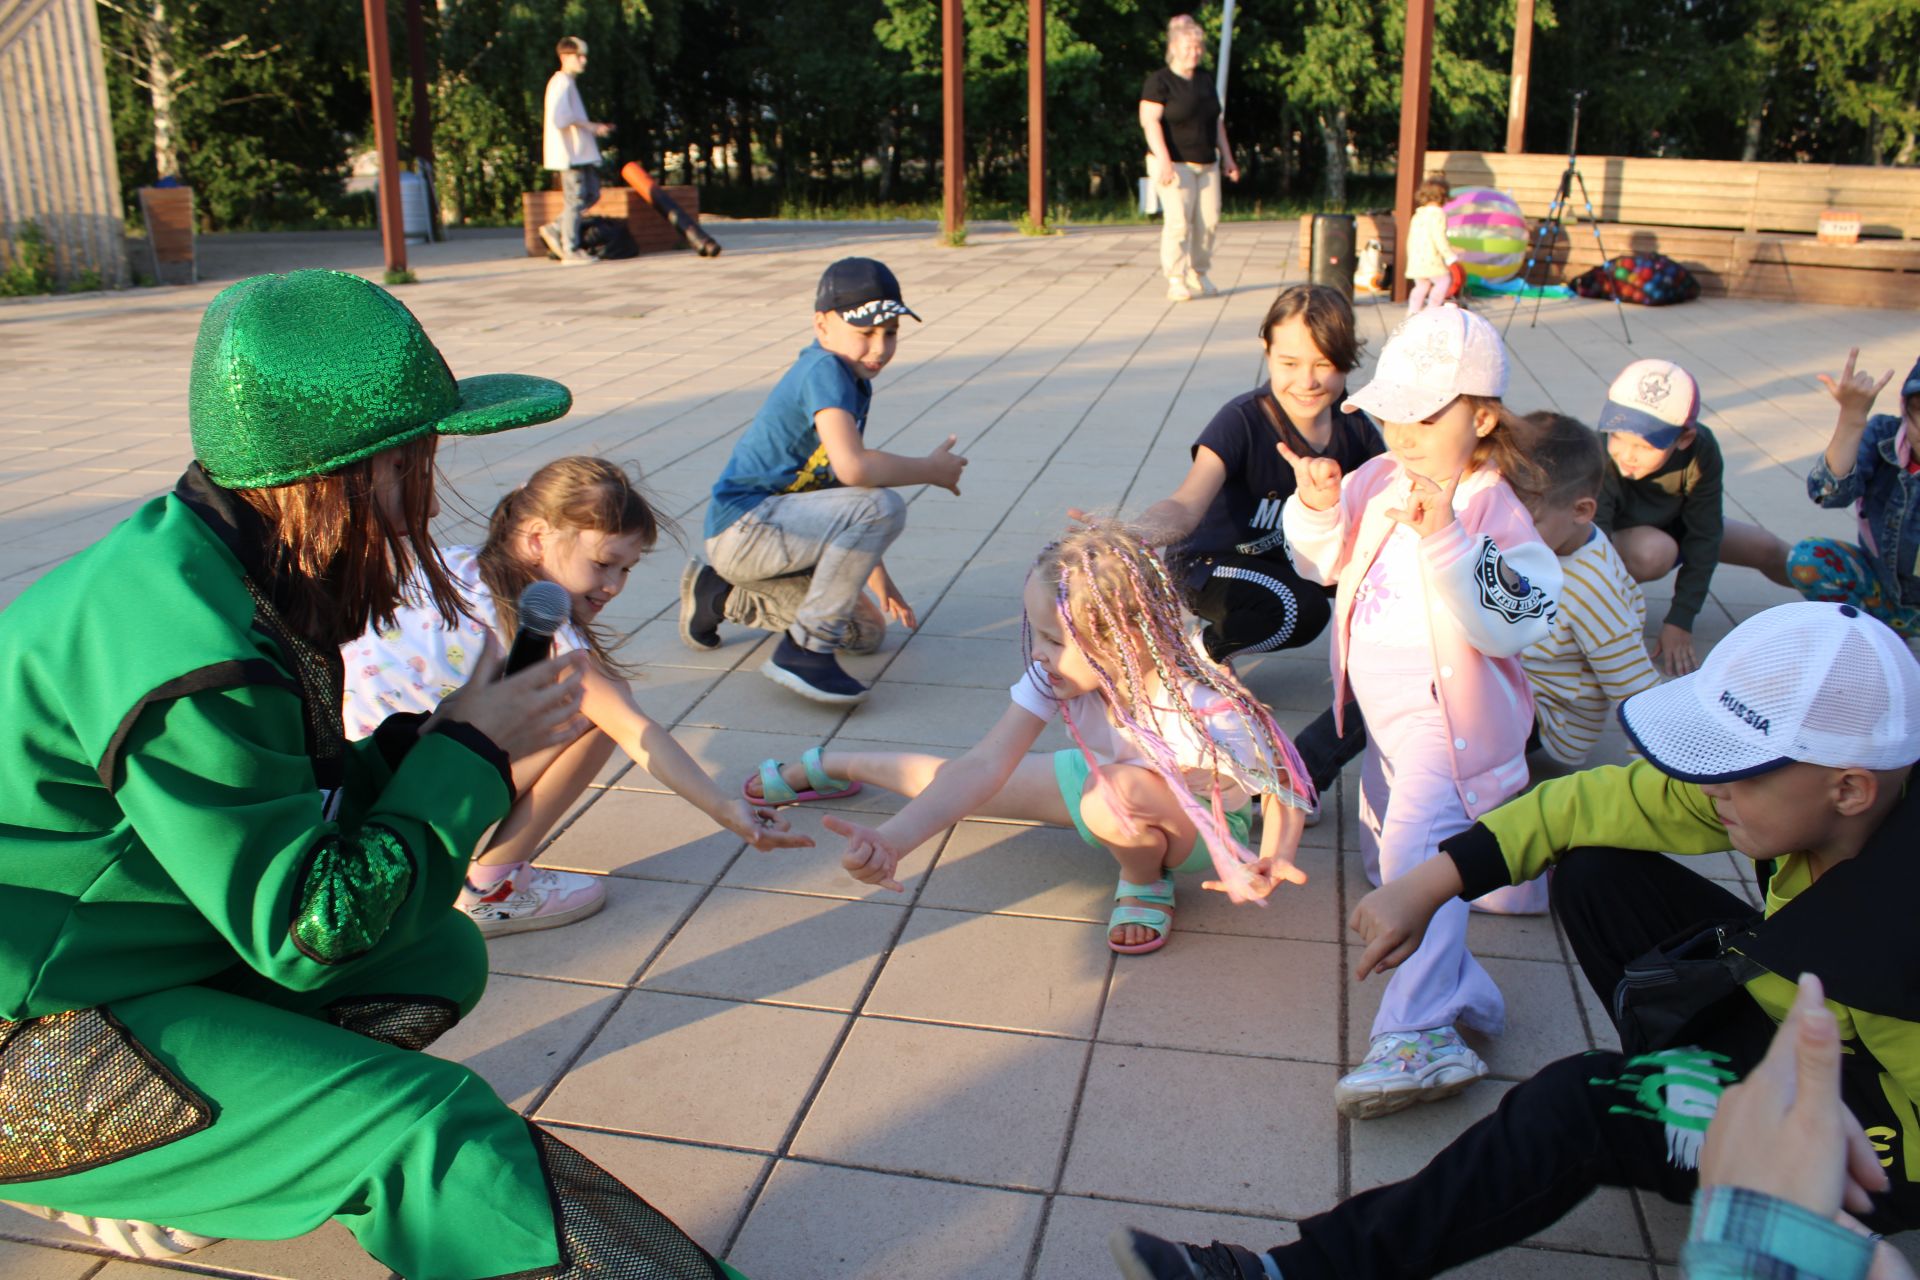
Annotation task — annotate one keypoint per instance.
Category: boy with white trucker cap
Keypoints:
(1794, 744)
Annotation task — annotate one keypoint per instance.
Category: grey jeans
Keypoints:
(839, 535)
(579, 188)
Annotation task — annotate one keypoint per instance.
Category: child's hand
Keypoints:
(895, 606)
(1429, 506)
(1673, 651)
(764, 829)
(1855, 392)
(1263, 877)
(945, 467)
(1392, 921)
(869, 858)
(1315, 479)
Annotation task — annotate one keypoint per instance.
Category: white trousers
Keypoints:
(1408, 805)
(1190, 209)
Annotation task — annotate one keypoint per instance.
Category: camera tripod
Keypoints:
(1550, 229)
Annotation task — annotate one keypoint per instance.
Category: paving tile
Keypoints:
(1005, 972)
(653, 1068)
(1264, 997)
(524, 1033)
(703, 1189)
(995, 616)
(952, 1102)
(645, 834)
(747, 701)
(1028, 870)
(1133, 1142)
(814, 1222)
(1074, 1244)
(958, 660)
(31, 1262)
(330, 1253)
(779, 947)
(935, 715)
(1527, 1264)
(610, 947)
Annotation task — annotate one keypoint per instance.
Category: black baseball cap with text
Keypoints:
(861, 291)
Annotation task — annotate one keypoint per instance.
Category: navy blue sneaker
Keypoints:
(1148, 1257)
(812, 675)
(703, 603)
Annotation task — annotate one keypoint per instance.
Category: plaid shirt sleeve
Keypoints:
(1746, 1235)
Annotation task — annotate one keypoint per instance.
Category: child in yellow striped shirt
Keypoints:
(1596, 654)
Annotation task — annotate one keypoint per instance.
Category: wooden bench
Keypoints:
(168, 213)
(1735, 264)
(650, 231)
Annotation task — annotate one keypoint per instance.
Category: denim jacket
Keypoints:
(1889, 504)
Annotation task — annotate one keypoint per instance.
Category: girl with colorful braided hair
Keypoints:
(1170, 748)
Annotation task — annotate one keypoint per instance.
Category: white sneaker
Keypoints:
(1199, 286)
(128, 1237)
(579, 258)
(534, 899)
(1177, 291)
(1406, 1067)
(550, 236)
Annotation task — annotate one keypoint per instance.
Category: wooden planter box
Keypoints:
(650, 231)
(168, 213)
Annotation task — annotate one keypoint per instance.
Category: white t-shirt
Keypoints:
(413, 664)
(566, 135)
(1109, 744)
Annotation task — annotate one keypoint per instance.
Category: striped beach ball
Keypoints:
(1485, 228)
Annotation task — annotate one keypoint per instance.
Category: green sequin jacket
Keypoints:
(175, 794)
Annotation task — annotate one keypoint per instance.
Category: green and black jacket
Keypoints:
(1851, 927)
(175, 794)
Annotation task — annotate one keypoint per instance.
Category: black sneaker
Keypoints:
(812, 675)
(1146, 1257)
(703, 602)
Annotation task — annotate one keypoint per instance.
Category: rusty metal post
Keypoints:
(392, 234)
(1037, 113)
(1522, 63)
(953, 76)
(1416, 81)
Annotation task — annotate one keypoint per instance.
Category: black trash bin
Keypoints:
(1330, 253)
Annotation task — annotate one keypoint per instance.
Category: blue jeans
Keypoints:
(839, 534)
(579, 188)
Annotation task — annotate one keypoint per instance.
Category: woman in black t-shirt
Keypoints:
(1187, 139)
(1223, 522)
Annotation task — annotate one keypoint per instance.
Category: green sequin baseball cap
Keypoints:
(299, 374)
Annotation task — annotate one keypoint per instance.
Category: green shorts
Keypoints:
(1070, 770)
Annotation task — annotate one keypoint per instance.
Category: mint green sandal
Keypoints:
(774, 791)
(1160, 891)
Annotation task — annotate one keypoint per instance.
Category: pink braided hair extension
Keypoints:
(1151, 611)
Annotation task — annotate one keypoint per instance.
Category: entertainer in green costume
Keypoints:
(228, 931)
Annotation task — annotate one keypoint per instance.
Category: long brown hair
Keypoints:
(338, 564)
(1503, 449)
(572, 496)
(1329, 318)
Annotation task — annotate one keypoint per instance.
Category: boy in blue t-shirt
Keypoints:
(803, 500)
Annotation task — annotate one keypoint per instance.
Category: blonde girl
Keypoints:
(582, 523)
(1442, 582)
(1430, 256)
(1170, 748)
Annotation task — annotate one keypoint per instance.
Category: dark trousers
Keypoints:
(1593, 1120)
(1254, 604)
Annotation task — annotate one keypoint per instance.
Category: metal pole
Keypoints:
(1522, 64)
(420, 127)
(392, 233)
(1226, 51)
(953, 72)
(1037, 113)
(1416, 71)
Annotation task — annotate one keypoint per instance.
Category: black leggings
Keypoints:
(1254, 604)
(1596, 1119)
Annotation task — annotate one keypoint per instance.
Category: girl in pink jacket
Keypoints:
(1442, 582)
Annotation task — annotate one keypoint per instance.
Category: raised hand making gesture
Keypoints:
(1429, 506)
(1855, 392)
(1316, 480)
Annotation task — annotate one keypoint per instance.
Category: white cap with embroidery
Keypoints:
(1653, 399)
(1812, 683)
(1434, 357)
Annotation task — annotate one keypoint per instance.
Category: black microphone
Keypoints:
(543, 607)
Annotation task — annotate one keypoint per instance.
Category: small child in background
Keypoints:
(582, 523)
(1171, 750)
(1430, 257)
(802, 494)
(1595, 656)
(1442, 583)
(1873, 463)
(1660, 500)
